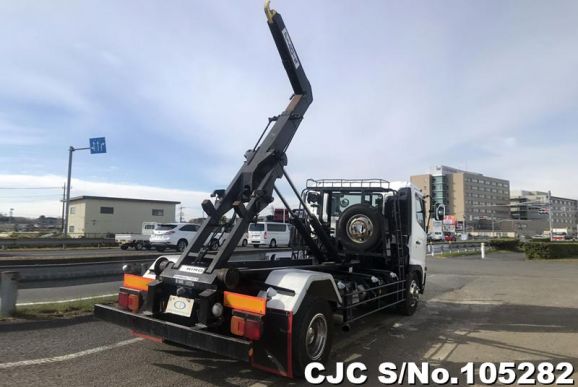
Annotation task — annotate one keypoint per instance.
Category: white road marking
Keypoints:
(70, 356)
(64, 301)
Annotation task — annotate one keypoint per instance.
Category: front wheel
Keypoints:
(138, 246)
(181, 245)
(412, 290)
(244, 243)
(313, 334)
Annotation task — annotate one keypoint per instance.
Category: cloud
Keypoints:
(28, 202)
(182, 90)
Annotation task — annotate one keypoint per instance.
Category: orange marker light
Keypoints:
(245, 303)
(136, 282)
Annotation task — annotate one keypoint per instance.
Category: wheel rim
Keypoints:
(413, 293)
(359, 228)
(316, 337)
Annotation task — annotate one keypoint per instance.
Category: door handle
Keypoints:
(417, 242)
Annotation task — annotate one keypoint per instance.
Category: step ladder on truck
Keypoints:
(360, 249)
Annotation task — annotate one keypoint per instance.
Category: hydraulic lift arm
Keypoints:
(251, 190)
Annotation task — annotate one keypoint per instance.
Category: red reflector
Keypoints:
(133, 302)
(123, 300)
(238, 325)
(253, 329)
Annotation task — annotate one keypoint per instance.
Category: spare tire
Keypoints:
(359, 228)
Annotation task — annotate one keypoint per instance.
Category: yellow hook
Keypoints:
(269, 12)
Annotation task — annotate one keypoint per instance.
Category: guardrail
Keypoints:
(454, 247)
(16, 243)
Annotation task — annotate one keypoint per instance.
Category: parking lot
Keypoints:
(503, 308)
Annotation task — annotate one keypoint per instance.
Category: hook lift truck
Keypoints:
(360, 249)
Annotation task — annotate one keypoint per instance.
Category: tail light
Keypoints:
(253, 328)
(169, 232)
(265, 235)
(133, 302)
(246, 324)
(123, 300)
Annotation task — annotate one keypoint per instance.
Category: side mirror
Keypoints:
(312, 197)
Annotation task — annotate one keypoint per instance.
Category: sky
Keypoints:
(181, 89)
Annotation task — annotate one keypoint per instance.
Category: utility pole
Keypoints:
(550, 212)
(63, 205)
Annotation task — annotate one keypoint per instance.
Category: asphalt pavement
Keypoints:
(503, 308)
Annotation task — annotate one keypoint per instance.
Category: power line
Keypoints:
(31, 187)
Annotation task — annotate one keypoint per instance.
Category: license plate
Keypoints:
(180, 306)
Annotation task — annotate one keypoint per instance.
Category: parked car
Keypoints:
(450, 237)
(270, 234)
(178, 236)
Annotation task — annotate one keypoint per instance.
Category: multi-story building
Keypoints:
(535, 207)
(471, 197)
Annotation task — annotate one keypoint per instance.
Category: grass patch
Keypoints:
(61, 309)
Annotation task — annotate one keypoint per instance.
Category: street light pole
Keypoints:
(70, 150)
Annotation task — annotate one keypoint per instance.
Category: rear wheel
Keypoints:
(182, 245)
(312, 334)
(273, 243)
(138, 246)
(123, 247)
(412, 290)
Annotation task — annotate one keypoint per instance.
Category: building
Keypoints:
(535, 207)
(478, 201)
(98, 216)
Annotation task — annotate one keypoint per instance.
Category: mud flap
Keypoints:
(273, 353)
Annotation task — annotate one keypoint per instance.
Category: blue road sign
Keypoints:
(97, 145)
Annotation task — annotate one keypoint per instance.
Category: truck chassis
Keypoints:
(278, 314)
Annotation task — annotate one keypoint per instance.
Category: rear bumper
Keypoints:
(228, 346)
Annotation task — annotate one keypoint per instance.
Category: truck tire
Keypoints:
(359, 228)
(182, 245)
(412, 290)
(138, 246)
(124, 247)
(312, 334)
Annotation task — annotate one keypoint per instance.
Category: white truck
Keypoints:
(359, 249)
(137, 241)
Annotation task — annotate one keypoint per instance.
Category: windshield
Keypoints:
(256, 227)
(165, 227)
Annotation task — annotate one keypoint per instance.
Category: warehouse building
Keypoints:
(99, 216)
(472, 198)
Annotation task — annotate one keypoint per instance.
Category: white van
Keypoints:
(269, 234)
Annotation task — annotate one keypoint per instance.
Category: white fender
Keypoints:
(299, 281)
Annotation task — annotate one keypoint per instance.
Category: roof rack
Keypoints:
(347, 183)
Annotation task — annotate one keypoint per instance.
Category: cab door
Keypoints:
(418, 237)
